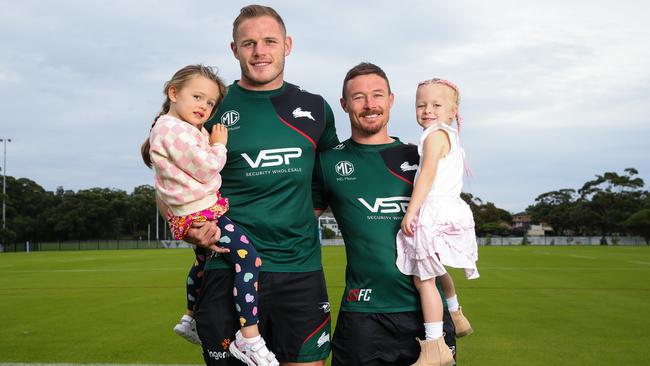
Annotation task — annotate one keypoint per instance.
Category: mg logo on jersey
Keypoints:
(229, 118)
(273, 157)
(387, 204)
(344, 168)
(359, 294)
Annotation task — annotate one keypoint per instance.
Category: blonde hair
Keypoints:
(454, 88)
(255, 11)
(459, 119)
(180, 78)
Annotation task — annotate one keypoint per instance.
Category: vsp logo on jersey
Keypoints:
(229, 118)
(386, 205)
(359, 294)
(273, 157)
(344, 168)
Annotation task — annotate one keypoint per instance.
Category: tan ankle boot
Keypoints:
(461, 323)
(434, 352)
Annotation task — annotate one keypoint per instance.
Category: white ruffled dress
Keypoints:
(444, 233)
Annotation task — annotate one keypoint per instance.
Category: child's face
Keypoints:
(435, 103)
(194, 102)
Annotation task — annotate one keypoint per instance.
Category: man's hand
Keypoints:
(206, 235)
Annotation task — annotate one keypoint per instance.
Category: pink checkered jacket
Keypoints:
(186, 167)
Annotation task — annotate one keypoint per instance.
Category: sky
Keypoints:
(552, 93)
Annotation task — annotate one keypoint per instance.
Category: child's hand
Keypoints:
(408, 223)
(219, 134)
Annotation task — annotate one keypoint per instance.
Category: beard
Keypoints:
(261, 79)
(370, 129)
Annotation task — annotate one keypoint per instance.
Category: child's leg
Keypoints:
(431, 307)
(433, 350)
(186, 328)
(246, 263)
(195, 279)
(447, 284)
(449, 290)
(462, 325)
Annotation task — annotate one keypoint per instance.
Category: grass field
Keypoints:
(531, 306)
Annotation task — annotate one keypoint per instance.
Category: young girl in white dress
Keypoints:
(438, 227)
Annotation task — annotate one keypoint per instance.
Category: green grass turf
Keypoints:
(531, 306)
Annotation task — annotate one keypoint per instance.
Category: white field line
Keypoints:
(108, 270)
(639, 262)
(583, 269)
(92, 364)
(581, 256)
(159, 269)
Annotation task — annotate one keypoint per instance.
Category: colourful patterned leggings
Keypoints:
(246, 263)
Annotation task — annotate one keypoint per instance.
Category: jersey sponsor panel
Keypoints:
(369, 206)
(267, 177)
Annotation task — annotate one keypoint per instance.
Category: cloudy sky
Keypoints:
(553, 92)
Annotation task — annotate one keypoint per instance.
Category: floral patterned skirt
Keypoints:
(180, 225)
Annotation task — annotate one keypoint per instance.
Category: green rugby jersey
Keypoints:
(273, 139)
(368, 188)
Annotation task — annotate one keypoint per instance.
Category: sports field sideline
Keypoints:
(532, 306)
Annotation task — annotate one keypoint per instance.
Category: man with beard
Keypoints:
(275, 131)
(367, 180)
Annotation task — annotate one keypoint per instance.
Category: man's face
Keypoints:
(260, 46)
(367, 101)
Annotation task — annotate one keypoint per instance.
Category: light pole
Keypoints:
(4, 181)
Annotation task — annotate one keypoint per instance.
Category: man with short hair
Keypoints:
(276, 130)
(367, 181)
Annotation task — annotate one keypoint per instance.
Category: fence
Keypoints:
(156, 244)
(544, 240)
(82, 245)
(564, 240)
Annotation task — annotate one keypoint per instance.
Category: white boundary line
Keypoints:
(91, 364)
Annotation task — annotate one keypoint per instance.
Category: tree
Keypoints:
(142, 210)
(328, 233)
(26, 203)
(610, 199)
(639, 223)
(556, 209)
(488, 219)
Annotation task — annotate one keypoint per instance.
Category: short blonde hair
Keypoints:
(255, 11)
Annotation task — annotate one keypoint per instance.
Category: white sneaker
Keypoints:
(255, 354)
(187, 329)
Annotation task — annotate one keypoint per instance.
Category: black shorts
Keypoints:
(294, 315)
(382, 339)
